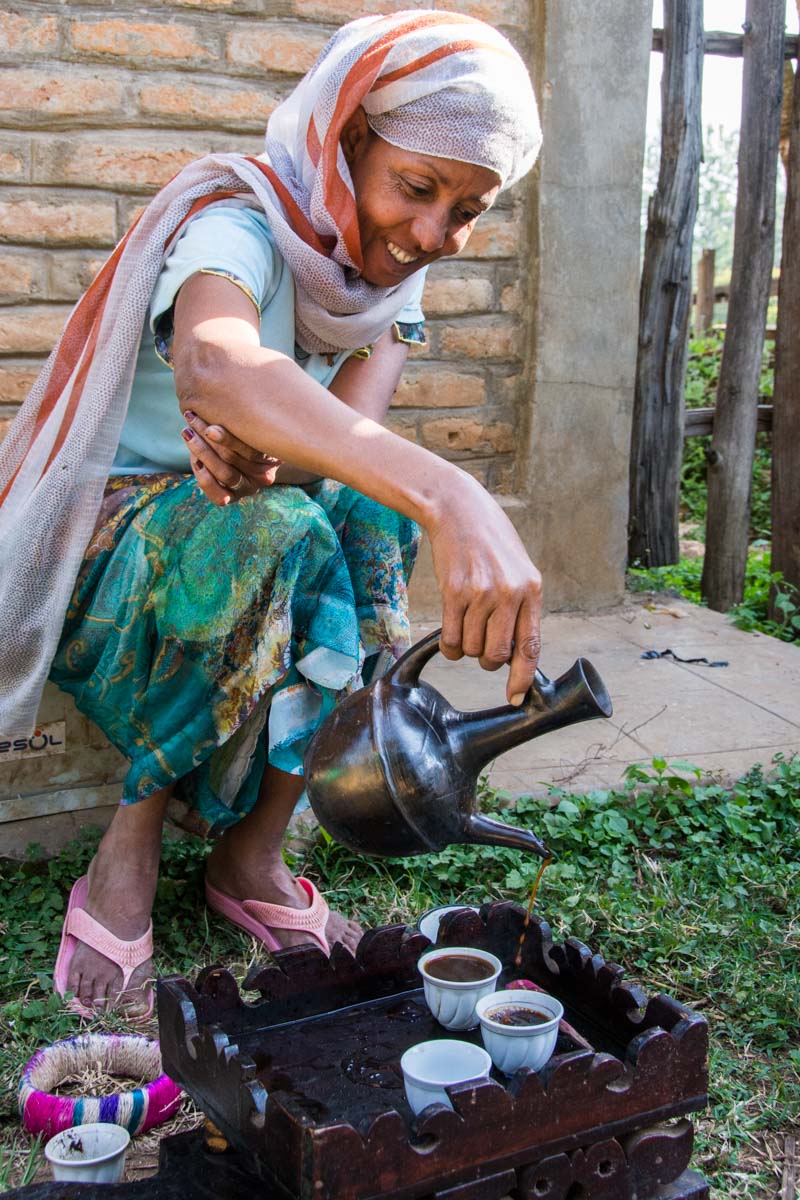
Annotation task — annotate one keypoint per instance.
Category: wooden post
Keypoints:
(733, 442)
(665, 297)
(704, 309)
(786, 114)
(786, 397)
(786, 110)
(789, 1183)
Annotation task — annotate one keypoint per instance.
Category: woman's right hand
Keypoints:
(491, 591)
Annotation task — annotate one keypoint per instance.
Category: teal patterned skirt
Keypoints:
(205, 641)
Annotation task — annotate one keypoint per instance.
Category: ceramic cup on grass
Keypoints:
(454, 979)
(430, 1067)
(513, 1039)
(88, 1153)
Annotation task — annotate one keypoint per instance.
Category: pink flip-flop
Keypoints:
(80, 927)
(259, 918)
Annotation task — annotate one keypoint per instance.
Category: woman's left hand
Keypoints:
(225, 468)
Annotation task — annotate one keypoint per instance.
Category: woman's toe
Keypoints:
(135, 1001)
(101, 997)
(134, 1004)
(85, 992)
(352, 935)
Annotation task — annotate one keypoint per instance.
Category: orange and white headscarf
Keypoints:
(431, 82)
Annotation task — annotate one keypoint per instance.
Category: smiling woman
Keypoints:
(241, 346)
(412, 209)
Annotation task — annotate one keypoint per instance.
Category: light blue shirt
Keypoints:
(236, 242)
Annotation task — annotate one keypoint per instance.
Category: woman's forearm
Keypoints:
(365, 385)
(268, 401)
(491, 591)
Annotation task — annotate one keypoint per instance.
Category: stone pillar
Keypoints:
(591, 78)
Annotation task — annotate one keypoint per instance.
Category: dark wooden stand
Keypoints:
(188, 1172)
(304, 1082)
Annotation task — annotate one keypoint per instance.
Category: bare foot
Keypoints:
(121, 892)
(265, 876)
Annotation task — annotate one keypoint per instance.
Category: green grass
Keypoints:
(695, 889)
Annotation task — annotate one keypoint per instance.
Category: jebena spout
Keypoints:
(493, 833)
(577, 695)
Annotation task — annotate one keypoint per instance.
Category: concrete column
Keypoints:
(573, 467)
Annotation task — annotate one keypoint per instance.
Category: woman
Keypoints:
(208, 640)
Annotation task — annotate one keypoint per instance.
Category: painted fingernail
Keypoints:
(189, 415)
(187, 435)
(517, 699)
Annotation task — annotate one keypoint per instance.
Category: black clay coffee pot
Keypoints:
(394, 769)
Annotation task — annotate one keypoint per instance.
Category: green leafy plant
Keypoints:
(702, 375)
(683, 579)
(760, 583)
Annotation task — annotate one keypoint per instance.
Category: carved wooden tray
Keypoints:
(306, 1079)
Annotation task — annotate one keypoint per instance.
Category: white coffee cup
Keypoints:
(515, 1046)
(452, 1002)
(430, 1067)
(93, 1153)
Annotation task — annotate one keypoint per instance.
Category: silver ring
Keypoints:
(235, 486)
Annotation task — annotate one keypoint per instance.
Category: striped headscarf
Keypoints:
(431, 82)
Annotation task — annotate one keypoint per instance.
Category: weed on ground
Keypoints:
(693, 888)
(752, 614)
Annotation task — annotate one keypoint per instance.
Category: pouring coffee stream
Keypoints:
(393, 771)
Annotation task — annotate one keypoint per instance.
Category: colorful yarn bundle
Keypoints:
(109, 1054)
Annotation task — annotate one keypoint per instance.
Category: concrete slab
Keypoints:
(51, 832)
(723, 719)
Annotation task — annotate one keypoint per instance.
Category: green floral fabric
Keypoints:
(205, 640)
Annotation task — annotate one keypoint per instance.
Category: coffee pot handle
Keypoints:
(407, 669)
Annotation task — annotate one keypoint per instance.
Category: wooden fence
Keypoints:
(708, 294)
(730, 45)
(699, 422)
(659, 426)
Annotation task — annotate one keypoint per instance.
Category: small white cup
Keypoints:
(515, 1046)
(429, 922)
(430, 1067)
(93, 1153)
(453, 1003)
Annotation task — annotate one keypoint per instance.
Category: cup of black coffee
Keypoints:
(519, 1028)
(454, 979)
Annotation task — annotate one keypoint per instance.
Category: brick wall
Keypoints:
(101, 103)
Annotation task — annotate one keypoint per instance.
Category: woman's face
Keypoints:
(412, 208)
